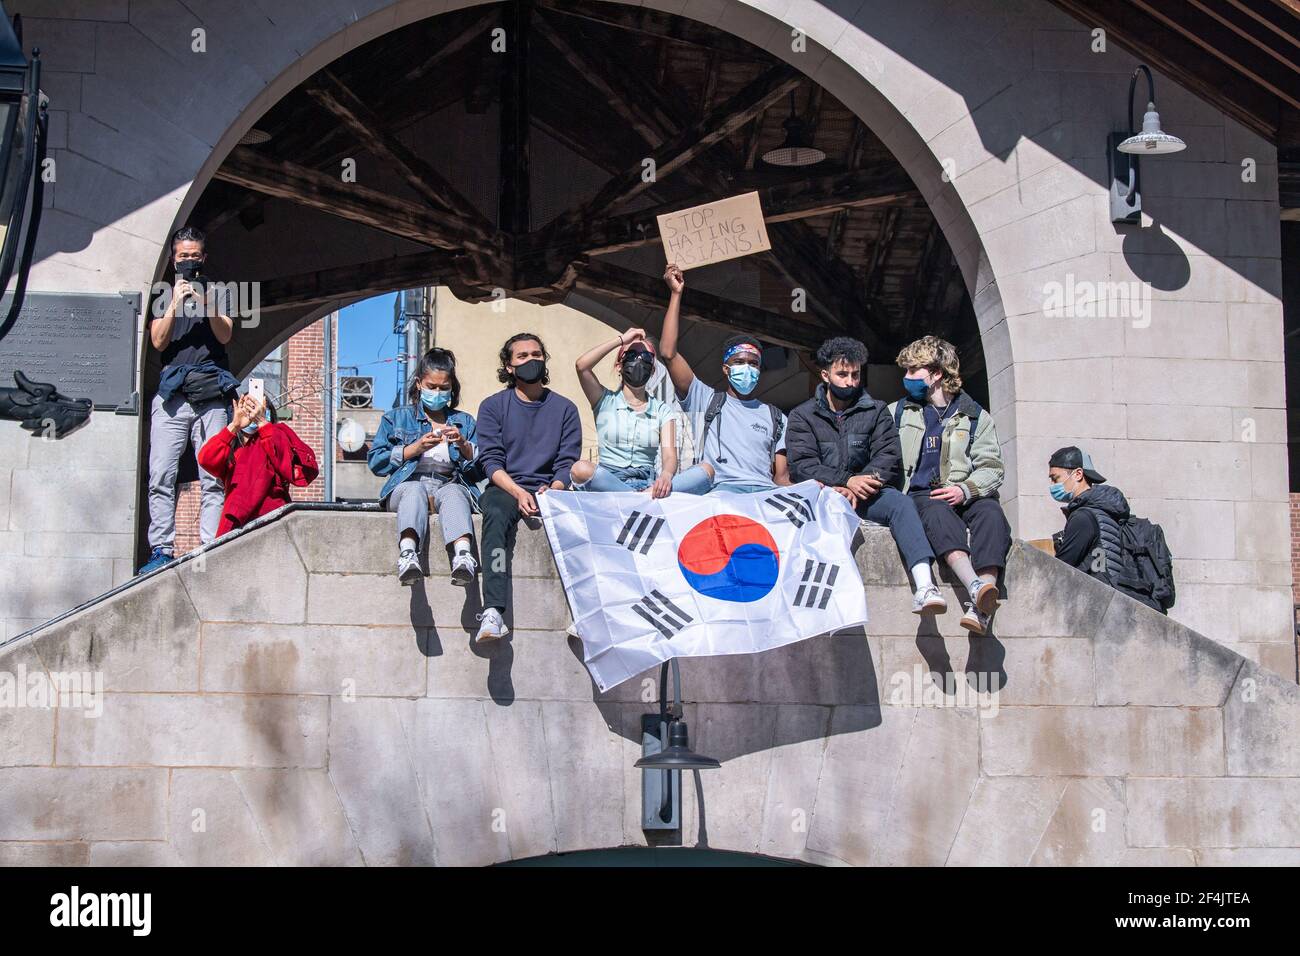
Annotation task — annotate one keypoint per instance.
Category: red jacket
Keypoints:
(258, 481)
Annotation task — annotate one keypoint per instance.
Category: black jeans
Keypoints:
(500, 525)
(947, 527)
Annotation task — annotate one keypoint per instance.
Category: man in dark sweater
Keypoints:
(529, 437)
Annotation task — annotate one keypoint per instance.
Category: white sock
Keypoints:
(921, 575)
(959, 561)
(406, 544)
(460, 547)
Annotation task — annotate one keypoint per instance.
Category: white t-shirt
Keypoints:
(739, 442)
(435, 461)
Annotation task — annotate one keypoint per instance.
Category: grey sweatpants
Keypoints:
(173, 425)
(410, 500)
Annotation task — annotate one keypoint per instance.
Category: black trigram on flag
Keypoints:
(666, 617)
(816, 584)
(794, 507)
(640, 532)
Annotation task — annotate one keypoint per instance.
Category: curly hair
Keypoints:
(507, 377)
(841, 347)
(936, 354)
(435, 360)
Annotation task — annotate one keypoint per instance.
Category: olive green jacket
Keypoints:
(975, 465)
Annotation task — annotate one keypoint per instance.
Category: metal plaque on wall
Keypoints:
(82, 342)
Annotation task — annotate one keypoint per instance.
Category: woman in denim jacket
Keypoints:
(427, 451)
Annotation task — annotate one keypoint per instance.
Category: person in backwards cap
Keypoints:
(1094, 513)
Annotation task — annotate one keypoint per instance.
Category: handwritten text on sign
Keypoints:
(714, 232)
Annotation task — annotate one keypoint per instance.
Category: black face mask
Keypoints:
(531, 371)
(845, 393)
(637, 371)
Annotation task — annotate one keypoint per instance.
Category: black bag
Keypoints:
(1148, 566)
(200, 386)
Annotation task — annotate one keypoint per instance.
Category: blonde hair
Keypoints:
(933, 352)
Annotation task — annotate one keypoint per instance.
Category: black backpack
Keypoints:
(715, 407)
(1148, 566)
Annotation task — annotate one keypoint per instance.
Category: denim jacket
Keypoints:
(401, 426)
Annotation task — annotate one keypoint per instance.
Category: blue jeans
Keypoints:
(898, 512)
(693, 481)
(739, 489)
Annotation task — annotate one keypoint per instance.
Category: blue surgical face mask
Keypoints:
(916, 389)
(435, 398)
(1058, 492)
(742, 377)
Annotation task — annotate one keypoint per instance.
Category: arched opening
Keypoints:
(520, 151)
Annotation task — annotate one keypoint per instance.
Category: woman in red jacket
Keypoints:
(257, 460)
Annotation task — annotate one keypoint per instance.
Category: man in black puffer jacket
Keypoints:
(845, 439)
(1094, 513)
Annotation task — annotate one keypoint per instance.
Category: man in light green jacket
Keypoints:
(952, 468)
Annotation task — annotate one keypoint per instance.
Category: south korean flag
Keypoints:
(696, 575)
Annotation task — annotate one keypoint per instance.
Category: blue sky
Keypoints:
(365, 339)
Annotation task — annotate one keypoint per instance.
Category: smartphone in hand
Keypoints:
(257, 389)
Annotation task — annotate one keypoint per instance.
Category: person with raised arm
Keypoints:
(740, 438)
(632, 427)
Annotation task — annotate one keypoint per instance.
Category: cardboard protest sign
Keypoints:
(714, 231)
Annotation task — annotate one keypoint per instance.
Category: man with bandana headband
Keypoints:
(741, 438)
(633, 427)
(529, 438)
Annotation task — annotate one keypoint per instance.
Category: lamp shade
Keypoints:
(1152, 139)
(678, 754)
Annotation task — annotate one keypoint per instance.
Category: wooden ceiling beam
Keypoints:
(360, 279)
(610, 280)
(360, 204)
(426, 181)
(661, 26)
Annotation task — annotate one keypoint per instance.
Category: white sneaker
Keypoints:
(408, 567)
(463, 569)
(928, 601)
(984, 595)
(975, 620)
(491, 626)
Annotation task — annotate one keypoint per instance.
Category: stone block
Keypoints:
(189, 730)
(135, 853)
(312, 659)
(44, 854)
(44, 587)
(1087, 826)
(210, 822)
(27, 717)
(1214, 812)
(793, 772)
(110, 803)
(1040, 602)
(521, 758)
(73, 501)
(1103, 741)
(372, 771)
(1142, 657)
(878, 559)
(260, 580)
(299, 816)
(1261, 719)
(586, 776)
(452, 755)
(145, 638)
(1005, 820)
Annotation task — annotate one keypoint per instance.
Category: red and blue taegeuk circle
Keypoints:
(729, 557)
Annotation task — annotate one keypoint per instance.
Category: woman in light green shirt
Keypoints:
(633, 427)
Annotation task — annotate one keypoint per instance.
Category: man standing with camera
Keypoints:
(193, 400)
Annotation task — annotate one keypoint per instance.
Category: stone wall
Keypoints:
(997, 109)
(316, 712)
